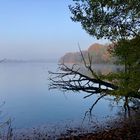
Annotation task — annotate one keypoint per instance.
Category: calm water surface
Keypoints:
(24, 89)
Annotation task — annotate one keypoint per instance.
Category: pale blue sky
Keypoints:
(33, 29)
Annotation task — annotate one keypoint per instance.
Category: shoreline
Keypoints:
(114, 129)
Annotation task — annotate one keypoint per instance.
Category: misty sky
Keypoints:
(34, 29)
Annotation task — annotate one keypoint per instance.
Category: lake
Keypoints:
(29, 102)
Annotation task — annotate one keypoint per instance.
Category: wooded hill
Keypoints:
(99, 54)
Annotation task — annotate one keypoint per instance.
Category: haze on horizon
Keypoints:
(39, 29)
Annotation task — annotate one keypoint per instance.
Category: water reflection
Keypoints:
(36, 111)
(24, 88)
